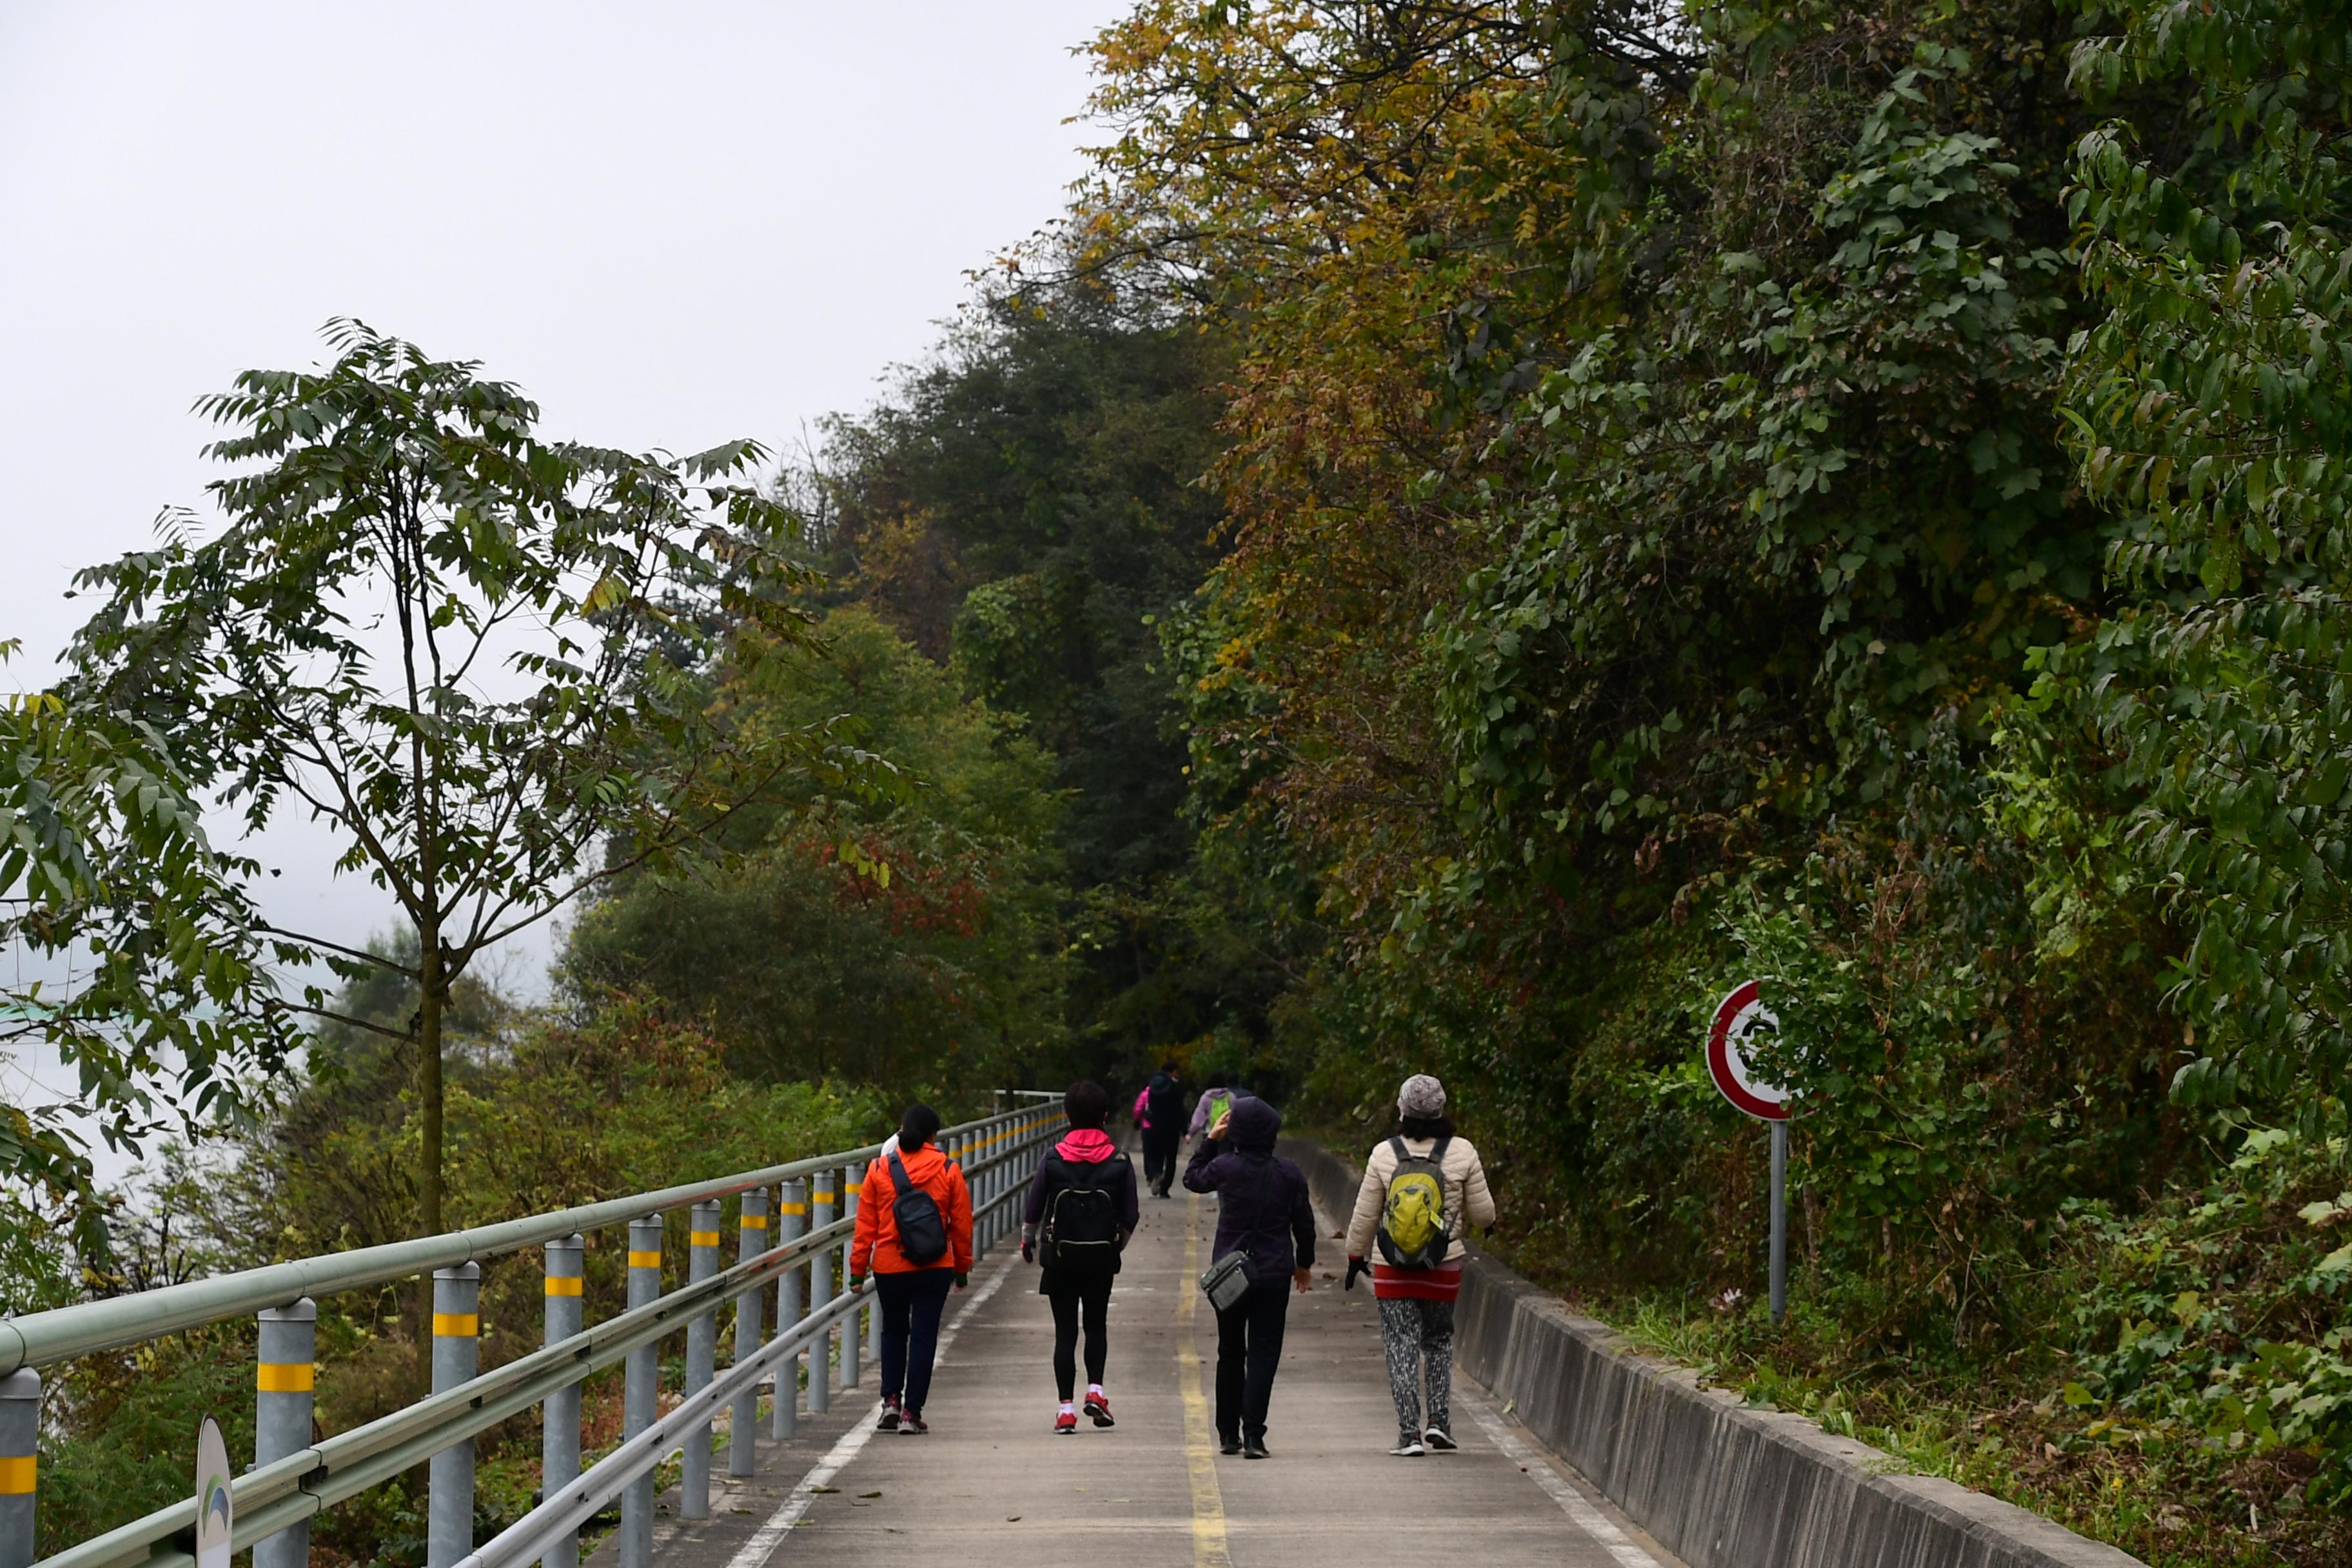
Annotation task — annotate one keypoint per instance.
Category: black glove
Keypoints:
(1028, 1252)
(1355, 1266)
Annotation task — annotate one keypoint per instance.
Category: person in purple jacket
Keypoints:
(1264, 1212)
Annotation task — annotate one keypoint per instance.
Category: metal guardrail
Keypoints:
(295, 1477)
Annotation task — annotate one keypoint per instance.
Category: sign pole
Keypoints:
(1739, 1020)
(1780, 1219)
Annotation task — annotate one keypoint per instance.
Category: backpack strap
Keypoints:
(904, 1183)
(1437, 1153)
(1396, 1146)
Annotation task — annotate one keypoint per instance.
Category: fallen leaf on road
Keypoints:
(828, 1491)
(869, 1494)
(1011, 1519)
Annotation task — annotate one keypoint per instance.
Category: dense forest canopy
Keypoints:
(1491, 521)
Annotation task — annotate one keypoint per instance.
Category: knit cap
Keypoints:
(1422, 1096)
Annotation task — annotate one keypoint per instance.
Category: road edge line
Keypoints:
(761, 1546)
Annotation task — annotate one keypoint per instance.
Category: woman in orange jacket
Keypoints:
(914, 1236)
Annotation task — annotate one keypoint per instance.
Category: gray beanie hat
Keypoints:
(1422, 1096)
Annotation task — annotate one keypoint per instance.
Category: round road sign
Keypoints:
(1739, 1019)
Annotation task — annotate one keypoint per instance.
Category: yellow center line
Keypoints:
(1199, 1438)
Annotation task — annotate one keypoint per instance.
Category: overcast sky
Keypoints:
(672, 225)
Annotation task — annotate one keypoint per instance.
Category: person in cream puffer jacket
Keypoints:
(1416, 1305)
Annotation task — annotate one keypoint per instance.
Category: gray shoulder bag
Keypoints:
(1226, 1281)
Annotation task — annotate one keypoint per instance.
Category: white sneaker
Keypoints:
(1408, 1448)
(1440, 1440)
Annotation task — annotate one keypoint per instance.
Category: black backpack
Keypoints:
(922, 1234)
(1165, 1099)
(1081, 1220)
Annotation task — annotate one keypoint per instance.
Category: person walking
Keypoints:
(1080, 1211)
(914, 1236)
(1162, 1122)
(1214, 1101)
(1422, 1191)
(1264, 1213)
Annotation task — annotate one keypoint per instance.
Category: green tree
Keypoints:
(480, 657)
(138, 961)
(2211, 408)
(908, 942)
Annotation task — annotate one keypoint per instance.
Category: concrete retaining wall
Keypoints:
(1719, 1485)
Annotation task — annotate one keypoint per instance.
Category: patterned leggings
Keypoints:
(1419, 1339)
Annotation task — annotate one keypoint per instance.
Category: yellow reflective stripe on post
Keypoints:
(456, 1325)
(564, 1284)
(644, 1260)
(283, 1376)
(855, 1187)
(793, 1208)
(755, 1222)
(17, 1475)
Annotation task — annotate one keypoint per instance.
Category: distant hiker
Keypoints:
(1214, 1101)
(1422, 1191)
(1263, 1214)
(1163, 1127)
(1080, 1212)
(914, 1236)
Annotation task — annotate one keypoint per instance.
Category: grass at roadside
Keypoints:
(2171, 1500)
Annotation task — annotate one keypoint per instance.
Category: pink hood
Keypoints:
(1087, 1146)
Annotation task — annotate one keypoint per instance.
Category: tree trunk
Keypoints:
(429, 1076)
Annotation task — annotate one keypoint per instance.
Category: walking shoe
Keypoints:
(889, 1422)
(1254, 1449)
(1407, 1447)
(1098, 1407)
(1440, 1440)
(1229, 1445)
(1065, 1423)
(911, 1423)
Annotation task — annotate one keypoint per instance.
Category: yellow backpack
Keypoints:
(1416, 1230)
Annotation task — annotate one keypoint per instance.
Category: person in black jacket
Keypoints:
(1163, 1099)
(1264, 1212)
(1080, 1212)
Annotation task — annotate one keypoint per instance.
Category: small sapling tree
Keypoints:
(484, 659)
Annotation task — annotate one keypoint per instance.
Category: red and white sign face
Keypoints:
(1739, 1018)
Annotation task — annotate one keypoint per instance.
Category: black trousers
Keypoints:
(1160, 1157)
(1249, 1348)
(912, 1303)
(1087, 1301)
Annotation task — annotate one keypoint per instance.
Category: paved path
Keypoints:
(991, 1484)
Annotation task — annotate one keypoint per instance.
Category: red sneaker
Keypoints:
(1066, 1425)
(1098, 1410)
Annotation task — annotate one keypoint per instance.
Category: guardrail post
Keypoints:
(701, 1358)
(819, 1349)
(792, 1220)
(20, 1447)
(999, 1143)
(873, 1321)
(282, 1376)
(457, 1357)
(558, 1436)
(852, 1343)
(744, 1417)
(976, 1181)
(640, 1391)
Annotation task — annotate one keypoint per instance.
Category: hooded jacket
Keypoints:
(1083, 1147)
(874, 1245)
(1263, 1208)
